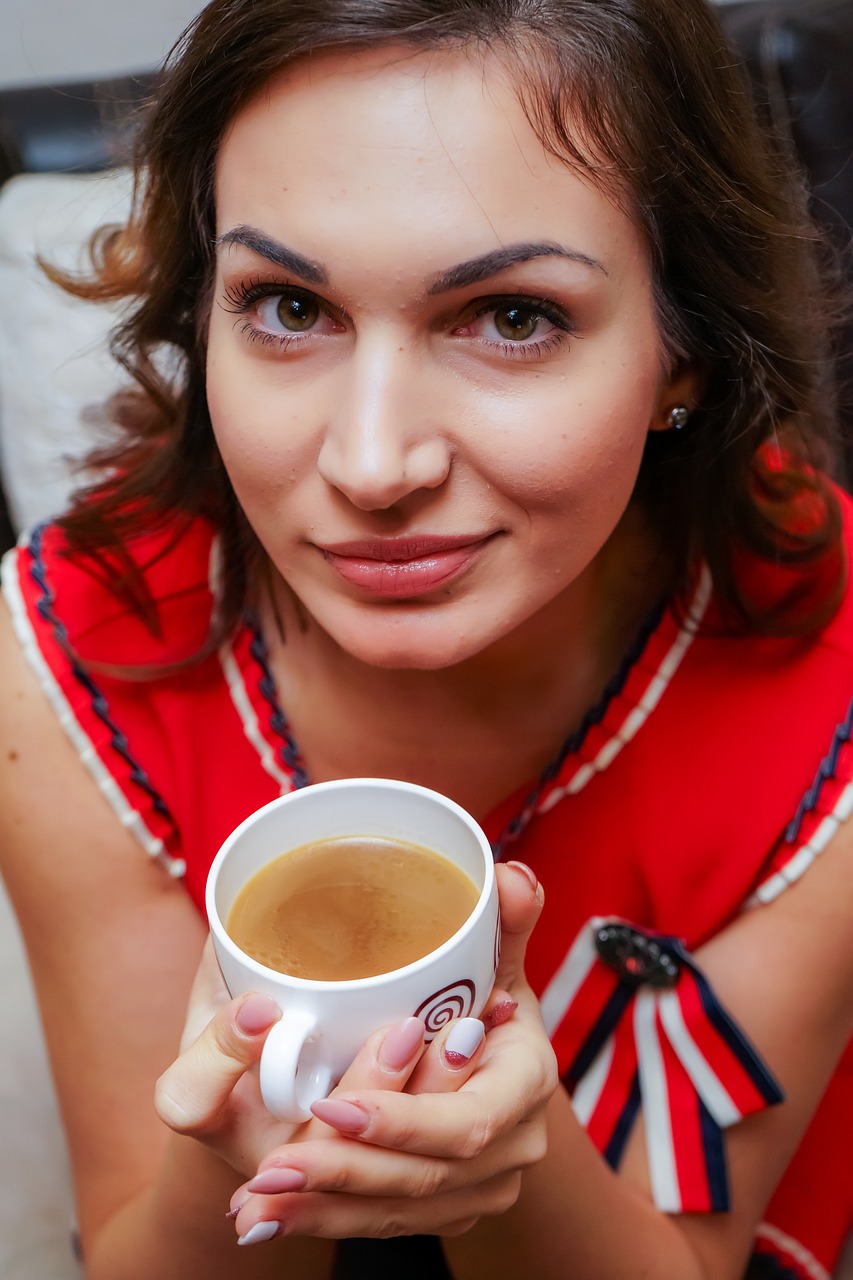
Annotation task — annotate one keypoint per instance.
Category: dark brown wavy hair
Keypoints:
(643, 95)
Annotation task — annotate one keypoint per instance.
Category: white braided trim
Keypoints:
(654, 692)
(249, 720)
(129, 817)
(237, 685)
(805, 855)
(794, 1249)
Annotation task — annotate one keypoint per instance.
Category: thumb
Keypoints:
(209, 994)
(190, 1095)
(521, 899)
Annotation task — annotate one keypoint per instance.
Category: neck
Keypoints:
(480, 729)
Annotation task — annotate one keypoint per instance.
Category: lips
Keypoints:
(406, 567)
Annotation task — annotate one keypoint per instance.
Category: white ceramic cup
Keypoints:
(324, 1024)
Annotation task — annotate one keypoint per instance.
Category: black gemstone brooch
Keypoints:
(639, 958)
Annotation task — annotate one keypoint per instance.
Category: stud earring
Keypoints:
(678, 416)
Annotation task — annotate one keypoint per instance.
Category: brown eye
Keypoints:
(516, 323)
(296, 313)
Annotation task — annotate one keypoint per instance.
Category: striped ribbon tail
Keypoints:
(643, 1028)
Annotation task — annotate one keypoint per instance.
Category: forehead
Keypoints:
(425, 153)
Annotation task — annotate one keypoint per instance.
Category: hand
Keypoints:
(210, 1092)
(437, 1144)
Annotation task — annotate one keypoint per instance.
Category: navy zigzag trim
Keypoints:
(826, 771)
(100, 706)
(288, 749)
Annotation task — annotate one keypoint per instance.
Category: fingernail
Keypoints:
(347, 1117)
(500, 1013)
(529, 875)
(256, 1013)
(261, 1231)
(273, 1182)
(238, 1200)
(463, 1041)
(401, 1043)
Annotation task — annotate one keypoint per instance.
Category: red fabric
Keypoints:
(674, 834)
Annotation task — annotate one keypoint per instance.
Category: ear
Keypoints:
(683, 389)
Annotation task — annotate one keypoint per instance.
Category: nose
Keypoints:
(383, 441)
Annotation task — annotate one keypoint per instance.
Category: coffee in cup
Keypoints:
(325, 1021)
(350, 907)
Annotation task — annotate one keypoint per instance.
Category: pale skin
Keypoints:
(398, 409)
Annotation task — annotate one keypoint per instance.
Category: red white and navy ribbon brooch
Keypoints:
(640, 1026)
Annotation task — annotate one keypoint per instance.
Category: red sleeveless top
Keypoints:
(710, 775)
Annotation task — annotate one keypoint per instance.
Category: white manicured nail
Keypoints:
(259, 1232)
(463, 1041)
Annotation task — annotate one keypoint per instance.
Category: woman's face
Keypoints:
(433, 356)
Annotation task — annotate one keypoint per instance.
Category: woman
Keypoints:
(480, 440)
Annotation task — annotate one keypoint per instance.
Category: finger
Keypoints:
(521, 901)
(337, 1216)
(500, 1008)
(385, 1061)
(453, 1055)
(360, 1170)
(387, 1058)
(450, 1059)
(190, 1095)
(512, 1082)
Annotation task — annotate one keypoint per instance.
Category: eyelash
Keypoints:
(539, 307)
(243, 295)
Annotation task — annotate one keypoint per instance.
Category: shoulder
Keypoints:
(151, 603)
(72, 636)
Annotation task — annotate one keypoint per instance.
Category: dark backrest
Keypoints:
(70, 128)
(799, 54)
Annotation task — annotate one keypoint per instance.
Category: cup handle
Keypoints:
(291, 1075)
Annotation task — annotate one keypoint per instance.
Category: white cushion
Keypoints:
(55, 371)
(36, 1206)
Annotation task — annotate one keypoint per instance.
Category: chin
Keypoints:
(405, 657)
(415, 643)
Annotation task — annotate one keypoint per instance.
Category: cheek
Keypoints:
(260, 442)
(582, 455)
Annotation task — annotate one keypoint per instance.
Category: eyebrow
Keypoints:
(489, 264)
(266, 247)
(464, 273)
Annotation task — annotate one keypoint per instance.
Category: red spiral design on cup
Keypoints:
(453, 1001)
